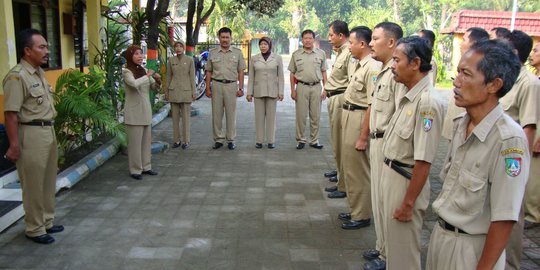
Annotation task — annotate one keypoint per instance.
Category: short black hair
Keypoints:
(224, 30)
(391, 29)
(25, 39)
(362, 33)
(502, 32)
(308, 31)
(429, 36)
(340, 27)
(523, 43)
(499, 62)
(415, 46)
(477, 34)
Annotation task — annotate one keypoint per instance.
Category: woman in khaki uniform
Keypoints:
(180, 92)
(266, 85)
(138, 112)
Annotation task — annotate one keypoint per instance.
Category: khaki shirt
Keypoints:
(181, 79)
(339, 77)
(415, 128)
(137, 110)
(308, 66)
(360, 88)
(384, 99)
(225, 65)
(485, 174)
(522, 102)
(28, 93)
(266, 76)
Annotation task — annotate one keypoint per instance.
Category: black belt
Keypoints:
(38, 123)
(334, 93)
(376, 135)
(352, 107)
(223, 81)
(398, 167)
(309, 84)
(447, 226)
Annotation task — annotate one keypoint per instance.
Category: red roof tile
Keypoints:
(528, 22)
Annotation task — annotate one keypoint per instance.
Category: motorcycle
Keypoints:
(200, 74)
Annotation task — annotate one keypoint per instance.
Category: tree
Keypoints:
(154, 15)
(197, 14)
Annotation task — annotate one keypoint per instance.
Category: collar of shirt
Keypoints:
(344, 46)
(221, 49)
(305, 51)
(481, 131)
(421, 85)
(29, 67)
(364, 60)
(386, 67)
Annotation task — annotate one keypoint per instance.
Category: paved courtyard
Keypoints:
(212, 209)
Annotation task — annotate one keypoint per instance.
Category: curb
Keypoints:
(79, 170)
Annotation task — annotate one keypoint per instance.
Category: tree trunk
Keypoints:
(154, 17)
(195, 10)
(395, 7)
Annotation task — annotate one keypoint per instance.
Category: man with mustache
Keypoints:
(409, 147)
(29, 113)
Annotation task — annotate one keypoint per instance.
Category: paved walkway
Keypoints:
(211, 209)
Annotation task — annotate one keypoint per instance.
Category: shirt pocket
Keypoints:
(299, 65)
(37, 97)
(383, 100)
(470, 193)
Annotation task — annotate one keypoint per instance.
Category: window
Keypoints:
(42, 15)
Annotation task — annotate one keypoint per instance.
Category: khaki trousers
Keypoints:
(403, 239)
(139, 148)
(37, 168)
(265, 119)
(455, 251)
(308, 99)
(335, 108)
(532, 192)
(376, 158)
(184, 110)
(224, 102)
(355, 165)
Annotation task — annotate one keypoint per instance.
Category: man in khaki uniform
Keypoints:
(409, 147)
(471, 36)
(180, 92)
(354, 152)
(338, 33)
(384, 39)
(532, 192)
(29, 113)
(308, 69)
(522, 103)
(429, 36)
(224, 68)
(486, 168)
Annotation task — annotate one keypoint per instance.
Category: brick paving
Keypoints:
(212, 209)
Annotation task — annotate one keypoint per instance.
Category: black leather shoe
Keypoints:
(344, 216)
(136, 176)
(376, 264)
(317, 146)
(55, 229)
(231, 146)
(258, 145)
(333, 179)
(331, 173)
(355, 224)
(150, 172)
(42, 239)
(300, 145)
(337, 195)
(271, 146)
(371, 254)
(176, 145)
(217, 145)
(330, 189)
(185, 146)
